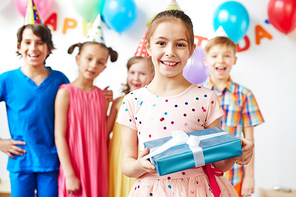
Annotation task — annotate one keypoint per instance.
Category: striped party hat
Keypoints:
(173, 6)
(95, 33)
(32, 14)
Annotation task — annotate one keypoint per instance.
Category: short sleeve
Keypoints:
(214, 108)
(126, 114)
(251, 114)
(2, 88)
(66, 80)
(62, 77)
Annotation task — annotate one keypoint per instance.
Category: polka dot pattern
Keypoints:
(155, 116)
(191, 186)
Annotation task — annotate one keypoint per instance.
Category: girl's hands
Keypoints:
(8, 146)
(144, 163)
(108, 94)
(248, 150)
(72, 185)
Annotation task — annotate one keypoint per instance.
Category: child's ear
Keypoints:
(148, 47)
(234, 62)
(18, 46)
(77, 59)
(205, 61)
(192, 50)
(49, 51)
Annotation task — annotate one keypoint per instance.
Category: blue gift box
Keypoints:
(181, 157)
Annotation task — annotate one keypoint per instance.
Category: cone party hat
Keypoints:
(95, 34)
(32, 14)
(172, 6)
(141, 50)
(220, 32)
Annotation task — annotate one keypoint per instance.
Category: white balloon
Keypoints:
(4, 4)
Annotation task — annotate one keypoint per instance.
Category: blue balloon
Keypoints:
(120, 15)
(234, 19)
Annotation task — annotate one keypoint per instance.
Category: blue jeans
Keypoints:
(24, 184)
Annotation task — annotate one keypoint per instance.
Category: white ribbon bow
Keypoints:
(180, 137)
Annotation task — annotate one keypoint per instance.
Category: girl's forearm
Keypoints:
(63, 153)
(225, 165)
(132, 168)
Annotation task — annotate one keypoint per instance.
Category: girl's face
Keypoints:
(138, 75)
(32, 49)
(169, 48)
(92, 61)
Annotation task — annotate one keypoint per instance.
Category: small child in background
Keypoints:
(29, 93)
(242, 113)
(170, 103)
(80, 124)
(140, 71)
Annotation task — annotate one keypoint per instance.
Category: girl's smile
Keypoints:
(169, 48)
(138, 75)
(169, 64)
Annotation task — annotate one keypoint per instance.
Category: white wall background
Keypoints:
(267, 69)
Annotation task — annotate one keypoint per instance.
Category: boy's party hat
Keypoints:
(141, 50)
(172, 6)
(95, 33)
(32, 15)
(220, 32)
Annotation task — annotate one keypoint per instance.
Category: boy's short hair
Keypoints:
(39, 30)
(220, 40)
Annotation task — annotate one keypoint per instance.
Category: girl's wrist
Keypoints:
(69, 175)
(139, 167)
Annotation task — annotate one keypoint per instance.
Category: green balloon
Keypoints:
(89, 9)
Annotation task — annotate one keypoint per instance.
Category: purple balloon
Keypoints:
(195, 71)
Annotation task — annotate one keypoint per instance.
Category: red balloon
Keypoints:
(282, 15)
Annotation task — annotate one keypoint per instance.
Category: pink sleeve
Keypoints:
(126, 114)
(214, 110)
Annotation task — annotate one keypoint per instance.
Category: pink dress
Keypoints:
(153, 117)
(87, 142)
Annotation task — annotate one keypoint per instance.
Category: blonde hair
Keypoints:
(134, 60)
(220, 40)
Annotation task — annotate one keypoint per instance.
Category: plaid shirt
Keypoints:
(241, 110)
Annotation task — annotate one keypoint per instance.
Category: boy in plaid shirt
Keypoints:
(242, 113)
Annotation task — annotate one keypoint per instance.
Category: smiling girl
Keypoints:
(140, 71)
(170, 103)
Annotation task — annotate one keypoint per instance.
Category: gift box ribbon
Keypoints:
(180, 137)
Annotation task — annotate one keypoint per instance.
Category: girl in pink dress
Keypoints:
(170, 103)
(80, 126)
